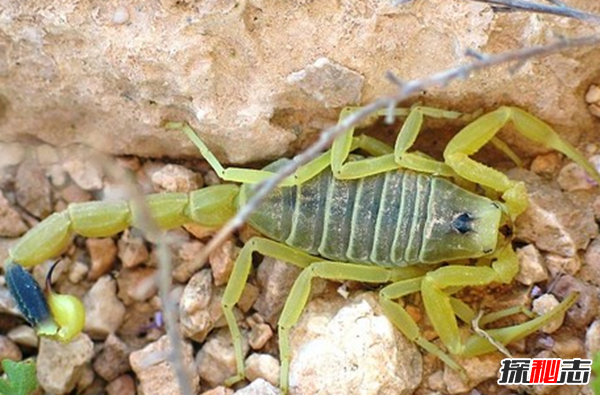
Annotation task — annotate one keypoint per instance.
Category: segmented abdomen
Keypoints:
(374, 220)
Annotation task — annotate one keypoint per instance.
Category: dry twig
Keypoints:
(405, 90)
(559, 8)
(153, 233)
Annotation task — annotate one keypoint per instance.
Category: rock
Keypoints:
(216, 359)
(543, 305)
(347, 347)
(275, 279)
(592, 98)
(532, 268)
(74, 194)
(175, 178)
(47, 155)
(586, 307)
(12, 154)
(87, 174)
(113, 359)
(188, 262)
(86, 379)
(219, 391)
(24, 335)
(221, 261)
(260, 333)
(132, 250)
(329, 84)
(259, 387)
(137, 285)
(11, 224)
(572, 177)
(558, 265)
(123, 94)
(592, 339)
(263, 366)
(553, 222)
(104, 311)
(591, 269)
(248, 298)
(61, 365)
(102, 254)
(567, 346)
(154, 371)
(546, 165)
(33, 189)
(199, 308)
(77, 272)
(478, 369)
(123, 385)
(9, 350)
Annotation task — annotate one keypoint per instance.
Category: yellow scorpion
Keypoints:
(397, 217)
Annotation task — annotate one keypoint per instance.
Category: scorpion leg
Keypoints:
(338, 271)
(442, 311)
(471, 138)
(237, 282)
(401, 158)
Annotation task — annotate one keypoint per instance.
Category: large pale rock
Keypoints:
(61, 365)
(253, 76)
(349, 348)
(104, 311)
(155, 372)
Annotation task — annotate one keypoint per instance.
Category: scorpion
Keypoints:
(398, 218)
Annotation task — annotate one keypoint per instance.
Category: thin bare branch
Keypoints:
(559, 9)
(153, 233)
(405, 90)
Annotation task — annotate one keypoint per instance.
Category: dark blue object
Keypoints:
(27, 293)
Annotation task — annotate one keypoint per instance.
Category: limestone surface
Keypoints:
(259, 78)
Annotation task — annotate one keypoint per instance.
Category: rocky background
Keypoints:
(258, 80)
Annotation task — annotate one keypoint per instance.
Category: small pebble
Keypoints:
(260, 332)
(47, 155)
(33, 189)
(104, 311)
(558, 265)
(248, 298)
(9, 350)
(263, 366)
(74, 194)
(154, 371)
(592, 339)
(219, 391)
(532, 268)
(11, 224)
(585, 310)
(275, 279)
(216, 358)
(121, 16)
(188, 260)
(221, 261)
(24, 335)
(546, 165)
(77, 272)
(478, 369)
(543, 305)
(259, 387)
(123, 385)
(113, 359)
(593, 94)
(132, 250)
(137, 285)
(102, 254)
(175, 178)
(86, 379)
(12, 154)
(198, 307)
(85, 173)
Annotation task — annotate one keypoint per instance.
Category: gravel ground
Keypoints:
(342, 343)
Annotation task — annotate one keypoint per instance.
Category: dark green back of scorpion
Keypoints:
(396, 218)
